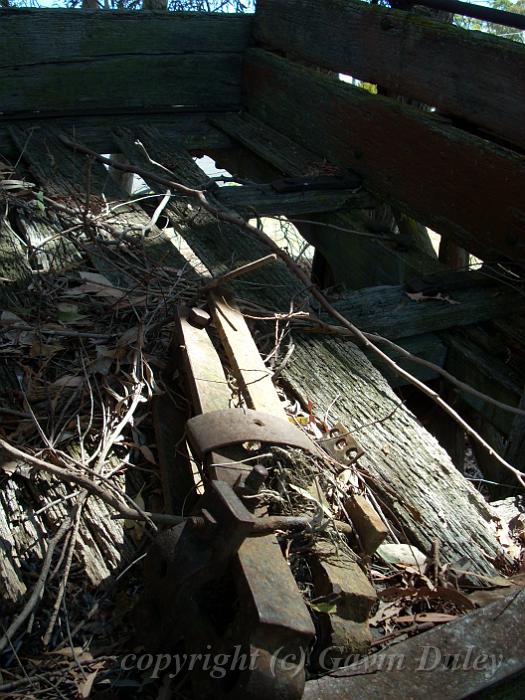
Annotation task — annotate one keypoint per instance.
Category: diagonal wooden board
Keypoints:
(256, 379)
(404, 155)
(204, 372)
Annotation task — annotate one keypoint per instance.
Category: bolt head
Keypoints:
(198, 317)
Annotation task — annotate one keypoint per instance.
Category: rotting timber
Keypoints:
(301, 144)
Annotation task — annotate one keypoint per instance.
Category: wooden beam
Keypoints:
(263, 200)
(248, 366)
(473, 76)
(193, 130)
(479, 655)
(427, 346)
(394, 312)
(270, 144)
(204, 373)
(85, 60)
(485, 371)
(347, 252)
(449, 180)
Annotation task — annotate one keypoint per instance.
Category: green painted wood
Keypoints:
(80, 61)
(473, 76)
(451, 181)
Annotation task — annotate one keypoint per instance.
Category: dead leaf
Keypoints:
(84, 688)
(72, 652)
(68, 313)
(486, 596)
(95, 277)
(68, 381)
(98, 289)
(447, 595)
(129, 337)
(40, 349)
(8, 318)
(148, 454)
(419, 296)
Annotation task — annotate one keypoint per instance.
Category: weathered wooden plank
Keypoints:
(487, 373)
(111, 83)
(254, 376)
(263, 200)
(389, 311)
(270, 144)
(421, 486)
(36, 35)
(476, 77)
(478, 655)
(204, 371)
(346, 240)
(194, 130)
(427, 346)
(81, 61)
(455, 183)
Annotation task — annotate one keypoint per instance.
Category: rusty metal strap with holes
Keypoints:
(209, 432)
(342, 446)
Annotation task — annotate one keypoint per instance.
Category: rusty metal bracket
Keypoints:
(342, 446)
(192, 573)
(212, 585)
(209, 432)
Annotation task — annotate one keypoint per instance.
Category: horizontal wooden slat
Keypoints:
(263, 200)
(193, 130)
(391, 312)
(473, 76)
(449, 180)
(77, 61)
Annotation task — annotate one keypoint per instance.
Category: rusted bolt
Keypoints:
(203, 524)
(256, 478)
(198, 318)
